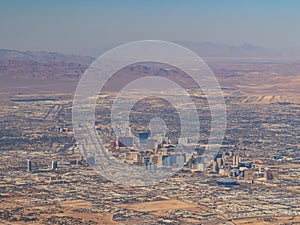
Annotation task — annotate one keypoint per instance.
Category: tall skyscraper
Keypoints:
(220, 162)
(236, 160)
(29, 166)
(215, 167)
(54, 165)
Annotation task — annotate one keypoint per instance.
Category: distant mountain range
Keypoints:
(49, 65)
(203, 49)
(42, 56)
(209, 49)
(41, 65)
(49, 72)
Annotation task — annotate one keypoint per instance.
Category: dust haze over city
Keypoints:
(150, 112)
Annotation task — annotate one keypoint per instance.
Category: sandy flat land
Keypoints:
(76, 204)
(269, 220)
(159, 206)
(68, 209)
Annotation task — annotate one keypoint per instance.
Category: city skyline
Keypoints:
(192, 119)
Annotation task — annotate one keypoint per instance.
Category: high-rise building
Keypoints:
(54, 165)
(143, 136)
(124, 142)
(270, 174)
(29, 166)
(215, 167)
(146, 161)
(163, 160)
(248, 174)
(236, 160)
(220, 162)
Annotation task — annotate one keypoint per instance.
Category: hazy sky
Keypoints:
(79, 26)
